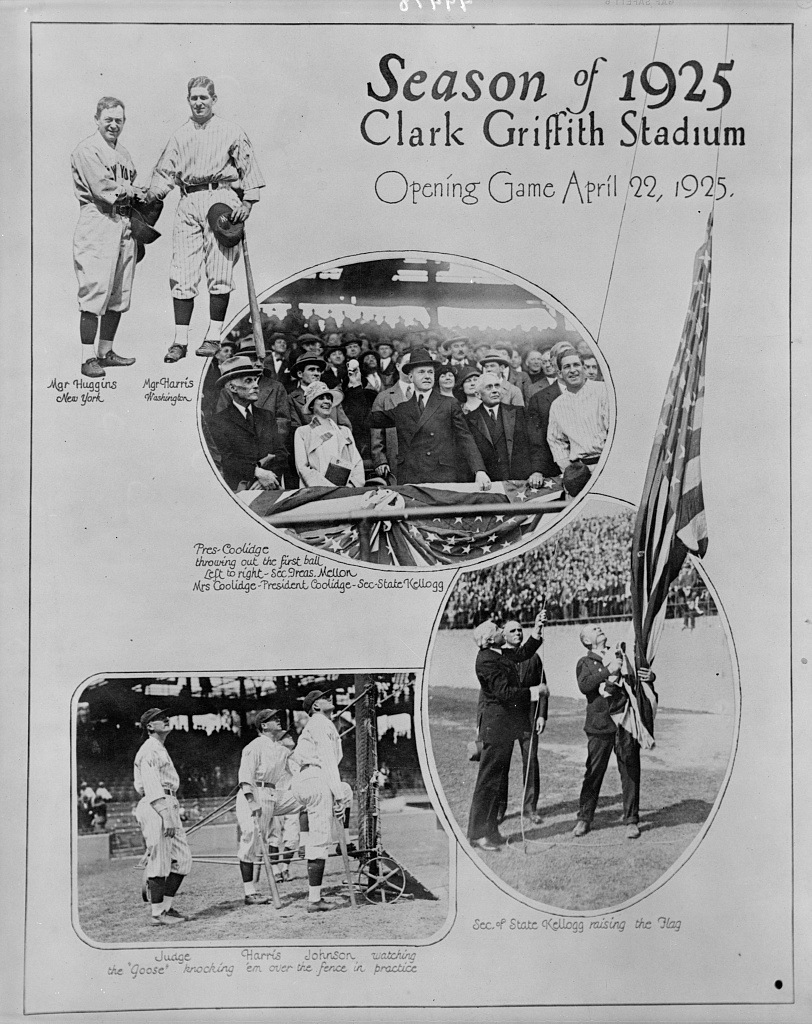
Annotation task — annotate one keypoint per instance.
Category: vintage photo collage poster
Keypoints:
(595, 159)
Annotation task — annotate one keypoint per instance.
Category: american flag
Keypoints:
(670, 521)
(429, 540)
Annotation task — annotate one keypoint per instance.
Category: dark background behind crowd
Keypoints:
(207, 759)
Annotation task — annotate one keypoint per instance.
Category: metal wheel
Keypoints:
(381, 879)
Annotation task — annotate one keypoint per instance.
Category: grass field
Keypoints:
(681, 779)
(111, 909)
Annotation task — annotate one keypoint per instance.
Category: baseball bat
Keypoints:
(253, 305)
(266, 860)
(342, 842)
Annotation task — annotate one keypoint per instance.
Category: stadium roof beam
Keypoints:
(377, 284)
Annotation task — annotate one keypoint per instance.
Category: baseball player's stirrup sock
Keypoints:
(218, 304)
(107, 331)
(88, 323)
(156, 888)
(183, 317)
(173, 883)
(315, 874)
(247, 872)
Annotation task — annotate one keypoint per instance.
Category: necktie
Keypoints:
(249, 418)
(421, 402)
(492, 412)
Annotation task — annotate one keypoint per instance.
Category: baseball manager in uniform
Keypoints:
(212, 163)
(158, 814)
(265, 792)
(319, 787)
(104, 251)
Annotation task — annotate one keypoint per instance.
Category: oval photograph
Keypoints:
(407, 410)
(572, 775)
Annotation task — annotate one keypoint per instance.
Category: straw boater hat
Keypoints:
(314, 391)
(304, 361)
(239, 366)
(495, 356)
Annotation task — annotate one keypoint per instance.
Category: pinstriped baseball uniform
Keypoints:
(155, 779)
(219, 153)
(103, 249)
(264, 766)
(318, 784)
(579, 423)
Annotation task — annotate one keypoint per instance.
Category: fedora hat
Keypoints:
(420, 357)
(239, 366)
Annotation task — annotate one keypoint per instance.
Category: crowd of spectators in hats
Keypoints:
(584, 573)
(320, 411)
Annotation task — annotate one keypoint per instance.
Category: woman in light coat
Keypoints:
(324, 451)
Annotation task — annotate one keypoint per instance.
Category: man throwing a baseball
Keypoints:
(212, 162)
(158, 814)
(104, 251)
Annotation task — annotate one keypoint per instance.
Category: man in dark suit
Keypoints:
(277, 363)
(246, 437)
(503, 712)
(459, 358)
(595, 673)
(434, 442)
(387, 362)
(384, 443)
(500, 432)
(532, 674)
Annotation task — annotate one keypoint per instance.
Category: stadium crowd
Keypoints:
(578, 585)
(350, 401)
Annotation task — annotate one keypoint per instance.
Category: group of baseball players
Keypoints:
(277, 785)
(212, 163)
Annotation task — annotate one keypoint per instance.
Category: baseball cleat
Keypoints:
(162, 919)
(175, 353)
(581, 828)
(92, 368)
(112, 358)
(315, 908)
(174, 913)
(208, 348)
(632, 831)
(256, 899)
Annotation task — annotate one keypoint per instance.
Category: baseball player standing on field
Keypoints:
(158, 814)
(319, 787)
(265, 792)
(212, 162)
(104, 251)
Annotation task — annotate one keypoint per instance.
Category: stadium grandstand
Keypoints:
(212, 722)
(585, 573)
